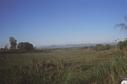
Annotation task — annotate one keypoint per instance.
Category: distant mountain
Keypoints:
(69, 45)
(75, 45)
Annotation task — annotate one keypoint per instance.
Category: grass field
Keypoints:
(63, 66)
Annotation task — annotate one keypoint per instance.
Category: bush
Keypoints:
(102, 47)
(25, 46)
(122, 44)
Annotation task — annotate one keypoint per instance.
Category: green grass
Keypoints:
(63, 66)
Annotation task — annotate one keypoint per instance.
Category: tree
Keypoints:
(123, 25)
(122, 44)
(25, 46)
(13, 43)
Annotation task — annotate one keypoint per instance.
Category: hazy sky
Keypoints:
(47, 22)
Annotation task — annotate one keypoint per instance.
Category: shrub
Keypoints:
(25, 46)
(102, 47)
(122, 44)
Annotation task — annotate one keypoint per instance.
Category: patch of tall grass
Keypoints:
(59, 71)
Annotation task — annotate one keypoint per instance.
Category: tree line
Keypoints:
(18, 46)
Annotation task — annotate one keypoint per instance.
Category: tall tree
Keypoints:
(13, 43)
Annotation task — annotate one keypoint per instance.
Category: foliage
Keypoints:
(102, 47)
(123, 25)
(61, 66)
(122, 44)
(25, 46)
(13, 43)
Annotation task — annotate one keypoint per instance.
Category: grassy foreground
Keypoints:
(63, 66)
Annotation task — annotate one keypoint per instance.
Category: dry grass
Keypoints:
(63, 66)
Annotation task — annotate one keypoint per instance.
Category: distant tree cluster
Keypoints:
(102, 47)
(19, 46)
(25, 46)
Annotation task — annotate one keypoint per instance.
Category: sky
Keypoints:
(54, 22)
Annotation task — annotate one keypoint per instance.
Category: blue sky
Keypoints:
(48, 22)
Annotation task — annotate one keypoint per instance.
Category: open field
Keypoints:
(63, 41)
(63, 66)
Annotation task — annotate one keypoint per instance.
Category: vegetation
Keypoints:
(63, 66)
(102, 47)
(13, 43)
(25, 46)
(122, 44)
(100, 64)
(123, 25)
